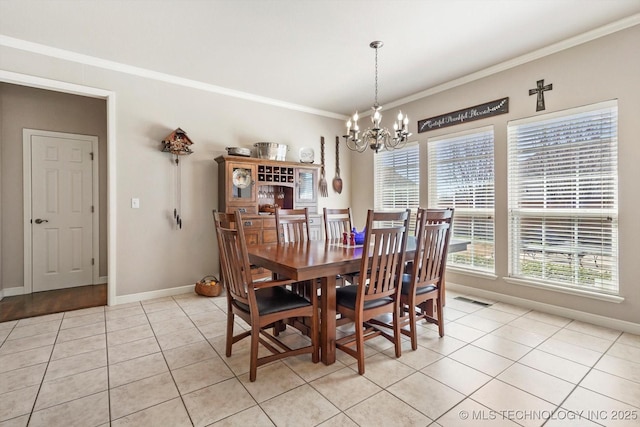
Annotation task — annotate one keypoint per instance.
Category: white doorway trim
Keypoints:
(26, 180)
(110, 97)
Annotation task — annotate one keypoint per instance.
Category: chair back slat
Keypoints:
(383, 256)
(337, 222)
(292, 225)
(227, 220)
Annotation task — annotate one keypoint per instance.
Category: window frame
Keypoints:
(561, 216)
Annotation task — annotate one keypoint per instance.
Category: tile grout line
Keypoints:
(53, 347)
(523, 315)
(111, 419)
(558, 406)
(106, 349)
(582, 379)
(42, 381)
(175, 383)
(494, 377)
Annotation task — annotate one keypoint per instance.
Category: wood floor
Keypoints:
(39, 303)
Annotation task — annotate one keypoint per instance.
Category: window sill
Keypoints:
(473, 273)
(556, 288)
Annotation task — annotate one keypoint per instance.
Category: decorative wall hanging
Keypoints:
(539, 90)
(482, 111)
(177, 143)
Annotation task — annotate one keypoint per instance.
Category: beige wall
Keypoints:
(604, 69)
(1, 204)
(24, 107)
(151, 254)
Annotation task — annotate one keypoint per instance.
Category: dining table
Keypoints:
(323, 260)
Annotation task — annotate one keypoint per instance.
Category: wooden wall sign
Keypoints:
(482, 111)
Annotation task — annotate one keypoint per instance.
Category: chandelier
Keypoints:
(377, 137)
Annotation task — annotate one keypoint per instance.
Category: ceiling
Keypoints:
(311, 53)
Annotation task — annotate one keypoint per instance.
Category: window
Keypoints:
(461, 176)
(563, 208)
(397, 180)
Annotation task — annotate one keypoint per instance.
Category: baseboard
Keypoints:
(123, 299)
(102, 280)
(10, 292)
(607, 322)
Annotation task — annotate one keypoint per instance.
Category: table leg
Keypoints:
(328, 319)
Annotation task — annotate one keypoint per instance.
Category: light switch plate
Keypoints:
(135, 203)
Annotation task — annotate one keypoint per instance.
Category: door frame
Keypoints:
(110, 97)
(27, 199)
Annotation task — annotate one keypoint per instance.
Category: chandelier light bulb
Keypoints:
(376, 117)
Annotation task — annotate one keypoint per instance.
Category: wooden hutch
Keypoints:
(253, 186)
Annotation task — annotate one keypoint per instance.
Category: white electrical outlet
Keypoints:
(135, 203)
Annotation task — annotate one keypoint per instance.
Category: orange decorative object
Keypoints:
(208, 286)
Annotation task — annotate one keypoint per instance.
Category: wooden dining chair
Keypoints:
(292, 225)
(337, 222)
(261, 304)
(422, 292)
(435, 214)
(378, 285)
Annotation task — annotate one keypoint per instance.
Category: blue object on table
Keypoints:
(359, 236)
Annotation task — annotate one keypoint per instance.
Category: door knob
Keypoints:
(40, 221)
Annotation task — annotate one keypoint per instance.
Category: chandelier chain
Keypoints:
(376, 77)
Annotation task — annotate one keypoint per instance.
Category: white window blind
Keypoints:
(563, 203)
(397, 180)
(461, 176)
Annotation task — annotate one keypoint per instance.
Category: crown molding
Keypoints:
(93, 61)
(195, 84)
(605, 30)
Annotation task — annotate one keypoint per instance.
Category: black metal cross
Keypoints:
(540, 89)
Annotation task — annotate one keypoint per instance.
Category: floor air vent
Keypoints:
(472, 301)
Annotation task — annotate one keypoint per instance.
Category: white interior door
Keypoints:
(61, 211)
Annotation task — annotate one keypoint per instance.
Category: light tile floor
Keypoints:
(161, 363)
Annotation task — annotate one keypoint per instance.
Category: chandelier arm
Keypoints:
(355, 144)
